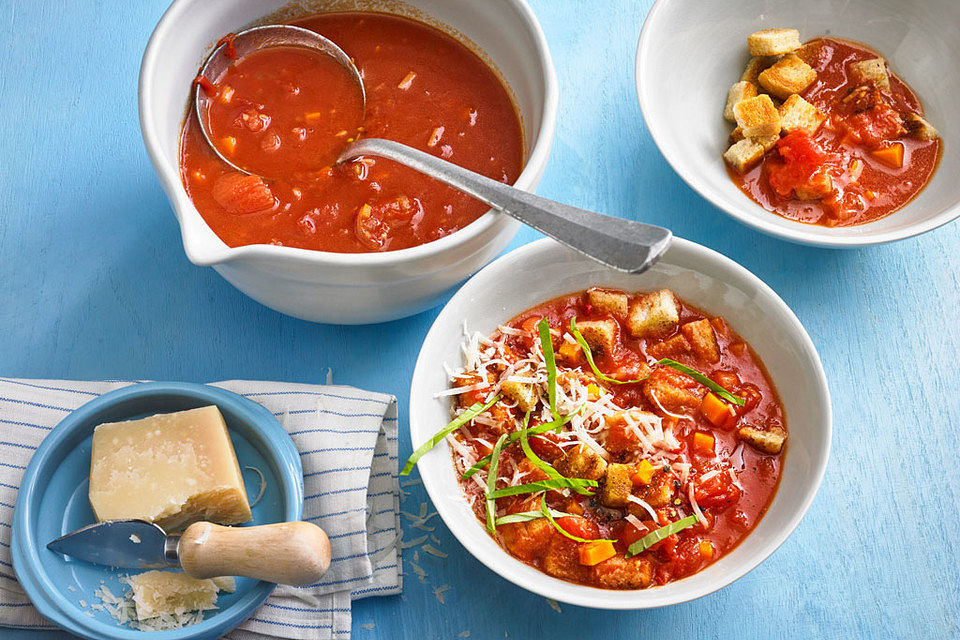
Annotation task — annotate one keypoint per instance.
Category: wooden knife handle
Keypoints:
(294, 553)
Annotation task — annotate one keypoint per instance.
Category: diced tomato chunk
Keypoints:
(545, 446)
(241, 194)
(580, 527)
(717, 492)
(803, 160)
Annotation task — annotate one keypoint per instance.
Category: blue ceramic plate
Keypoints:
(53, 501)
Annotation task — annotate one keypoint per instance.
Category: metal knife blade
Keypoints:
(126, 544)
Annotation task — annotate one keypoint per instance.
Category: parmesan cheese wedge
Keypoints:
(172, 469)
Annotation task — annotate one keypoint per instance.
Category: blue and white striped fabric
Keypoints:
(347, 440)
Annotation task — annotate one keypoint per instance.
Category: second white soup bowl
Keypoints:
(544, 270)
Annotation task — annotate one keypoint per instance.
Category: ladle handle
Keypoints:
(622, 244)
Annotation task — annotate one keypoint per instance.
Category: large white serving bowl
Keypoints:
(543, 270)
(337, 287)
(690, 52)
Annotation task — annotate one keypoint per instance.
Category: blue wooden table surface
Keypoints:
(94, 284)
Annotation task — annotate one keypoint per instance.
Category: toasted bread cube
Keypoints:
(753, 69)
(582, 462)
(620, 572)
(744, 154)
(661, 490)
(818, 186)
(873, 70)
(739, 91)
(523, 393)
(666, 390)
(773, 42)
(796, 114)
(616, 485)
(757, 116)
(668, 348)
(767, 142)
(787, 76)
(735, 136)
(653, 314)
(611, 301)
(702, 340)
(600, 334)
(769, 441)
(917, 127)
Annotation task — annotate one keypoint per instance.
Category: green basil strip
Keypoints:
(513, 437)
(657, 535)
(543, 466)
(546, 343)
(492, 484)
(589, 356)
(702, 379)
(545, 512)
(472, 412)
(542, 485)
(526, 516)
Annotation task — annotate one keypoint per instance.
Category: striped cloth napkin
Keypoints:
(347, 440)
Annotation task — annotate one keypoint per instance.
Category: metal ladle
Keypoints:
(622, 244)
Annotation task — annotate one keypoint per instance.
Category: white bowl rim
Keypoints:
(598, 598)
(753, 214)
(170, 176)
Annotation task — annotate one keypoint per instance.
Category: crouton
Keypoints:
(744, 154)
(757, 64)
(757, 116)
(796, 114)
(817, 186)
(700, 336)
(767, 441)
(582, 462)
(739, 91)
(599, 334)
(661, 490)
(523, 393)
(917, 127)
(735, 136)
(670, 390)
(873, 70)
(570, 352)
(611, 301)
(653, 314)
(787, 76)
(526, 540)
(561, 559)
(773, 42)
(668, 348)
(616, 485)
(767, 142)
(620, 572)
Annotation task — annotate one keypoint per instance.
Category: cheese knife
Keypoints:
(294, 553)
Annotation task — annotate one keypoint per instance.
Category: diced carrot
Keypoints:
(703, 443)
(571, 352)
(715, 410)
(706, 549)
(575, 508)
(644, 474)
(596, 552)
(593, 391)
(228, 144)
(891, 156)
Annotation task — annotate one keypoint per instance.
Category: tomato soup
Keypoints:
(862, 163)
(648, 430)
(278, 111)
